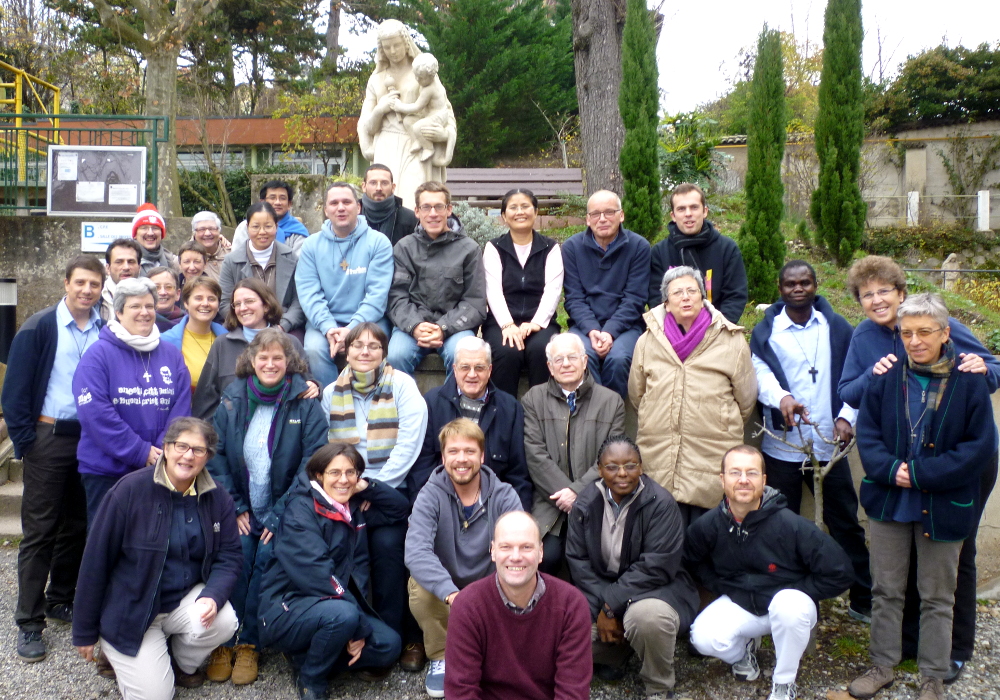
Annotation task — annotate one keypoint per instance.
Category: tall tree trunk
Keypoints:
(597, 55)
(161, 100)
(332, 37)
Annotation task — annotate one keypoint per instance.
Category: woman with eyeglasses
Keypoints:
(524, 279)
(693, 385)
(268, 260)
(379, 411)
(206, 228)
(879, 285)
(266, 436)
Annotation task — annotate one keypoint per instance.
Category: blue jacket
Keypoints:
(871, 342)
(502, 421)
(947, 470)
(606, 289)
(300, 430)
(319, 555)
(175, 336)
(118, 589)
(333, 297)
(121, 413)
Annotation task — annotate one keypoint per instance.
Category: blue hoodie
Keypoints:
(121, 413)
(333, 297)
(175, 336)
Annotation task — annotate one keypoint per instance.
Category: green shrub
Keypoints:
(937, 241)
(477, 224)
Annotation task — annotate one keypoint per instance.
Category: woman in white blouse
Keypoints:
(524, 278)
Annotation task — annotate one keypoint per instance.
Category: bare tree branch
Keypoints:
(127, 32)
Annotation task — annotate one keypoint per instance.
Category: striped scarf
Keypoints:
(383, 419)
(260, 395)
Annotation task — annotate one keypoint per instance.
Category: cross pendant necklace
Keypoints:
(145, 366)
(813, 371)
(812, 365)
(344, 265)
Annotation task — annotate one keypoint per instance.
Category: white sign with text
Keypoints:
(96, 235)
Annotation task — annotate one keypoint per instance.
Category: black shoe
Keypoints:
(955, 669)
(30, 645)
(60, 612)
(609, 674)
(862, 615)
(309, 694)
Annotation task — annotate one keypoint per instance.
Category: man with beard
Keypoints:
(383, 210)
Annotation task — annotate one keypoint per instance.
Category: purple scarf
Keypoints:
(685, 343)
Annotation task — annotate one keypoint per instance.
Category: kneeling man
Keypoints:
(770, 568)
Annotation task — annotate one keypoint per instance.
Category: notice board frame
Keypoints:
(124, 178)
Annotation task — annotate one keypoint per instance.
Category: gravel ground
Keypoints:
(840, 656)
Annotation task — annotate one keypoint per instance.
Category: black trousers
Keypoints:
(508, 361)
(963, 627)
(840, 513)
(386, 545)
(553, 552)
(54, 525)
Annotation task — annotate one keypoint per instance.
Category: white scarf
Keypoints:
(141, 343)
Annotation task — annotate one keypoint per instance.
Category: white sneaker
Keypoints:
(782, 691)
(434, 684)
(747, 669)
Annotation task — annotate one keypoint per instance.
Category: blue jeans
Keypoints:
(613, 370)
(317, 348)
(405, 354)
(246, 594)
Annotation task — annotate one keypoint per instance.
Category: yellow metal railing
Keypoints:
(22, 78)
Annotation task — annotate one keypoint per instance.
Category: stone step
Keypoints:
(10, 526)
(10, 499)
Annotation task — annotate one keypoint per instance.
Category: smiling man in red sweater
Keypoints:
(490, 622)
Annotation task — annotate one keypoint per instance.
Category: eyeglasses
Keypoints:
(207, 229)
(437, 208)
(560, 360)
(336, 474)
(370, 347)
(181, 448)
(922, 333)
(606, 213)
(630, 468)
(881, 293)
(690, 291)
(519, 207)
(468, 368)
(751, 474)
(258, 229)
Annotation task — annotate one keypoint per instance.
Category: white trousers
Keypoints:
(723, 629)
(148, 675)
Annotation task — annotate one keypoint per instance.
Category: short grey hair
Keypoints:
(925, 304)
(471, 343)
(558, 337)
(206, 216)
(132, 287)
(675, 273)
(186, 423)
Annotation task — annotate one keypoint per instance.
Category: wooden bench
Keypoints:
(485, 187)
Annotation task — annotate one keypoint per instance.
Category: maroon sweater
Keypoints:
(542, 655)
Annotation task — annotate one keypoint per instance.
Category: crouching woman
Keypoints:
(161, 560)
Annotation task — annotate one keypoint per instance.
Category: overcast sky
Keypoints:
(698, 48)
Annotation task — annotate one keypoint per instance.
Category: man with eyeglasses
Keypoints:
(467, 392)
(695, 242)
(606, 280)
(798, 353)
(291, 232)
(438, 292)
(382, 208)
(206, 228)
(769, 567)
(566, 420)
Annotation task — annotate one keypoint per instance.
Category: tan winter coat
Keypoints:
(690, 413)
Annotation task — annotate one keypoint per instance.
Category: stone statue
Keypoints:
(406, 122)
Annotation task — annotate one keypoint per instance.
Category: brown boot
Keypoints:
(220, 665)
(873, 680)
(931, 689)
(245, 665)
(187, 680)
(413, 657)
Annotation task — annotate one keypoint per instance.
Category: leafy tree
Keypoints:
(638, 102)
(687, 150)
(837, 209)
(760, 239)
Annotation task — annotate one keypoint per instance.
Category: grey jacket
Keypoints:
(444, 553)
(439, 281)
(562, 449)
(163, 258)
(238, 265)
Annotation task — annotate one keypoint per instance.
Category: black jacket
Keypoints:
(502, 421)
(716, 256)
(771, 550)
(319, 555)
(403, 222)
(652, 550)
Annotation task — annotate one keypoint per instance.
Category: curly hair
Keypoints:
(263, 340)
(272, 314)
(875, 268)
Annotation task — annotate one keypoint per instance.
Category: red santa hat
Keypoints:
(146, 215)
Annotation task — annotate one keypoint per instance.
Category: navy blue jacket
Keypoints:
(300, 429)
(319, 555)
(606, 289)
(947, 470)
(502, 421)
(840, 339)
(118, 589)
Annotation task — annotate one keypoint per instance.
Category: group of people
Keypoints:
(271, 475)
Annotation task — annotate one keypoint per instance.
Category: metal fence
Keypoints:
(25, 139)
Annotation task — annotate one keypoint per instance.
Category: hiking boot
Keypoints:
(873, 680)
(931, 689)
(187, 680)
(782, 691)
(747, 669)
(434, 684)
(955, 669)
(104, 667)
(413, 657)
(60, 612)
(31, 646)
(245, 665)
(220, 665)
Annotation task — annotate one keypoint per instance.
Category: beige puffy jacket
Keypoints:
(690, 413)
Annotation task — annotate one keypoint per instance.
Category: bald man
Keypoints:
(486, 656)
(606, 281)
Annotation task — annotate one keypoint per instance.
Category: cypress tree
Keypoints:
(837, 209)
(761, 242)
(639, 103)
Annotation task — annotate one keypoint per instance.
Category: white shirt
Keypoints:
(797, 348)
